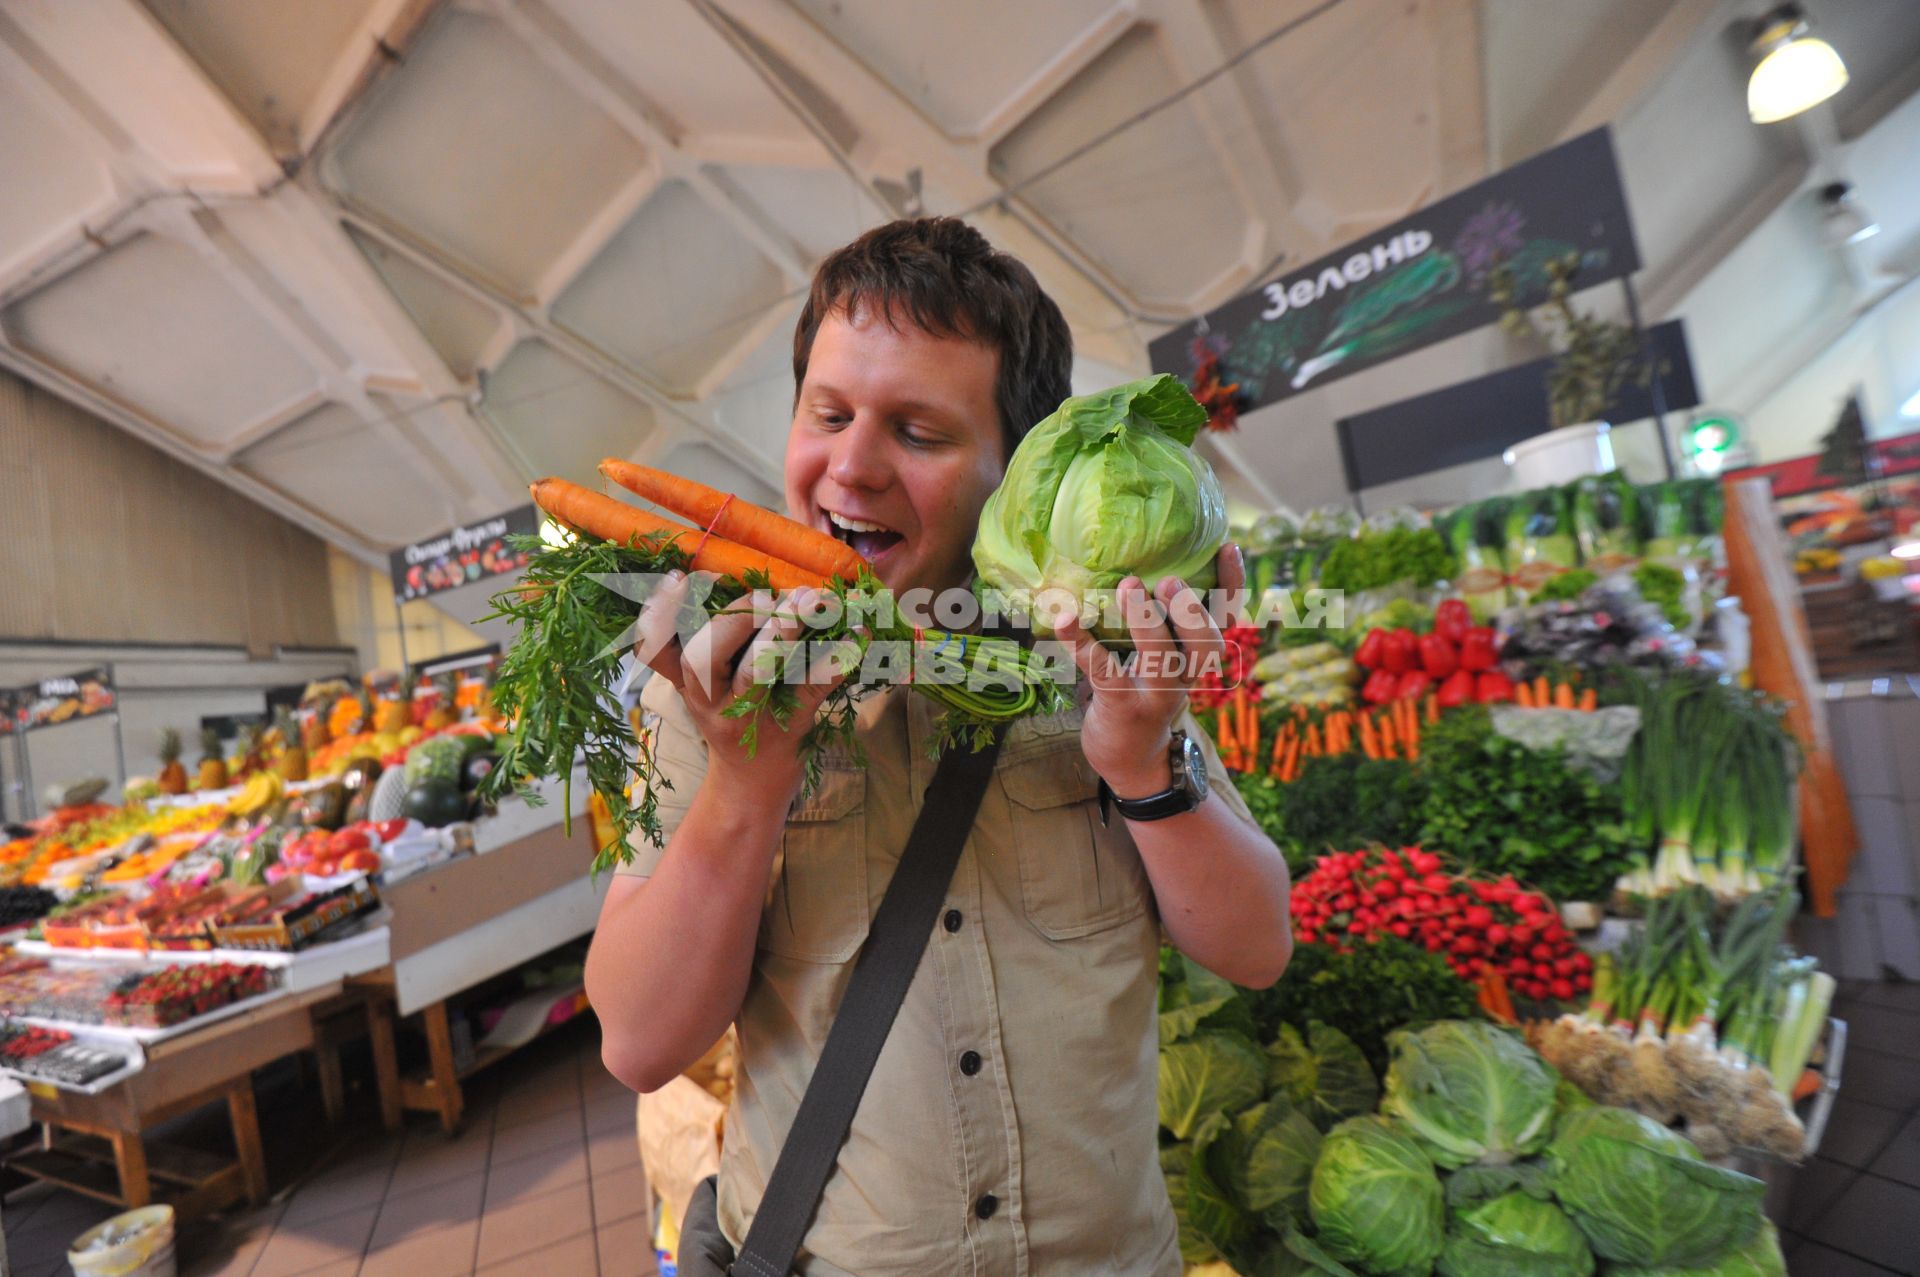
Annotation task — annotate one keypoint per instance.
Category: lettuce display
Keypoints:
(1606, 521)
(1514, 1232)
(1642, 1195)
(1760, 1257)
(1477, 536)
(1386, 557)
(1289, 1170)
(1108, 486)
(1470, 1092)
(1540, 541)
(1376, 1199)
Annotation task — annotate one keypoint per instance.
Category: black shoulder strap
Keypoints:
(881, 975)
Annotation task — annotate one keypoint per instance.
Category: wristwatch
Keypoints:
(1189, 764)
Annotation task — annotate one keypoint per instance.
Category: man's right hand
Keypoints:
(716, 665)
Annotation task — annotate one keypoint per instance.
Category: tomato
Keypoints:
(388, 830)
(348, 840)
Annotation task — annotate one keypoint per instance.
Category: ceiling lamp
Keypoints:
(1796, 70)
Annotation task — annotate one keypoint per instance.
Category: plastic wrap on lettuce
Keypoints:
(1539, 543)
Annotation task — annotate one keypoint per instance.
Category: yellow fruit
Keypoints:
(409, 734)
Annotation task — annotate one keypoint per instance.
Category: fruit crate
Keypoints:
(305, 923)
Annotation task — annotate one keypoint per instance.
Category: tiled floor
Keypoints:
(1855, 1208)
(545, 1177)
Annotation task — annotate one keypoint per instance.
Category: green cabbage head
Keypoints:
(1376, 1200)
(1760, 1257)
(1642, 1195)
(1512, 1234)
(1107, 487)
(1470, 1091)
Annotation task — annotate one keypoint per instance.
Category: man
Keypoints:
(1009, 1125)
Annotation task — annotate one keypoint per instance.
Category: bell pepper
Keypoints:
(1452, 620)
(1379, 687)
(1412, 685)
(1478, 651)
(1456, 689)
(1371, 651)
(1438, 657)
(1492, 687)
(1401, 652)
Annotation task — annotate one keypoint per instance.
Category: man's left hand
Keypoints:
(1138, 698)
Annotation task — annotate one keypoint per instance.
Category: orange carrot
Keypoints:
(1225, 733)
(1542, 694)
(1523, 695)
(1387, 735)
(1563, 696)
(737, 520)
(1588, 701)
(1369, 742)
(602, 516)
(1433, 709)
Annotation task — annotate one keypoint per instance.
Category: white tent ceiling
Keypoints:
(378, 262)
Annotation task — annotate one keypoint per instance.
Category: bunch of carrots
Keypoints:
(1540, 694)
(1387, 731)
(727, 536)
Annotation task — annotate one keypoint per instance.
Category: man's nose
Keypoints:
(859, 457)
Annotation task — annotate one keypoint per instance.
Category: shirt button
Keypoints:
(970, 1062)
(985, 1207)
(952, 921)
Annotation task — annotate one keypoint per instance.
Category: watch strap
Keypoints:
(1168, 802)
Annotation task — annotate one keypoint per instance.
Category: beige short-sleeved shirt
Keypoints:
(1023, 1064)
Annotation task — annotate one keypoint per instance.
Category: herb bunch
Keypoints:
(558, 685)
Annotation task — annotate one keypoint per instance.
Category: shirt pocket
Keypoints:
(817, 909)
(1076, 878)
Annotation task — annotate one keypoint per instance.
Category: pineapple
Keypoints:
(390, 714)
(252, 752)
(213, 768)
(292, 761)
(173, 776)
(313, 730)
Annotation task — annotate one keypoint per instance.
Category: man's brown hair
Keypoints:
(943, 277)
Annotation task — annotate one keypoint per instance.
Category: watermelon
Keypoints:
(438, 760)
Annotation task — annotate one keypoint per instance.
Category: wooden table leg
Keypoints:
(446, 1082)
(246, 1139)
(130, 1159)
(333, 1086)
(386, 1060)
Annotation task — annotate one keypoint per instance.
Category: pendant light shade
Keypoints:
(1796, 70)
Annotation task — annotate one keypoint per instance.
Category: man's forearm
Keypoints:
(1221, 886)
(673, 953)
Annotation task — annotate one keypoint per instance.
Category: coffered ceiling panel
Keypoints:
(331, 460)
(152, 324)
(959, 63)
(559, 417)
(675, 290)
(1134, 203)
(457, 326)
(477, 147)
(272, 58)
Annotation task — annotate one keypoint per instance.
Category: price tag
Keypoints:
(44, 1090)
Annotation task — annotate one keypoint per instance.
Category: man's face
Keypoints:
(895, 446)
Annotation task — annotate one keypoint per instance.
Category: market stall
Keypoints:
(1526, 780)
(328, 879)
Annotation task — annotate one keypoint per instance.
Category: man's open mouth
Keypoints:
(869, 540)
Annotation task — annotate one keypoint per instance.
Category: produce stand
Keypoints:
(95, 1144)
(475, 917)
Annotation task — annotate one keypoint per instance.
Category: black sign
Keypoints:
(10, 702)
(461, 555)
(1417, 281)
(65, 698)
(1486, 416)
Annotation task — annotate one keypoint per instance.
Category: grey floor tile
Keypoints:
(1858, 1131)
(1901, 996)
(1801, 1198)
(1875, 1219)
(1881, 1028)
(1901, 1158)
(1814, 1260)
(1891, 1081)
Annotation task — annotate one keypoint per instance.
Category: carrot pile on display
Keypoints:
(1386, 731)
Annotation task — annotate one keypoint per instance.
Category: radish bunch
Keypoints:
(1215, 687)
(1352, 896)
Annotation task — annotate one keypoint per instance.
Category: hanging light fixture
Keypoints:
(1796, 70)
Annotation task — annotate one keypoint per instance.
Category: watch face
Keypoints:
(1194, 767)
